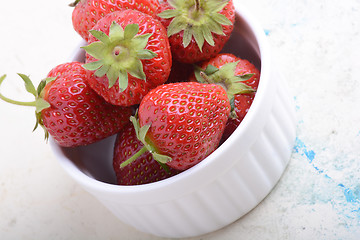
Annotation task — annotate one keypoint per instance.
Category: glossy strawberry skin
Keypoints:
(141, 171)
(187, 120)
(77, 115)
(192, 53)
(157, 69)
(242, 102)
(88, 12)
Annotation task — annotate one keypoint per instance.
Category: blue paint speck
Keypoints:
(267, 32)
(327, 176)
(310, 155)
(301, 148)
(351, 195)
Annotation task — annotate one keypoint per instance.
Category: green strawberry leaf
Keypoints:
(115, 32)
(143, 132)
(100, 36)
(137, 71)
(217, 6)
(169, 13)
(130, 31)
(123, 80)
(174, 3)
(141, 135)
(119, 54)
(146, 54)
(39, 103)
(96, 49)
(40, 87)
(187, 37)
(202, 75)
(139, 42)
(215, 27)
(92, 66)
(161, 158)
(229, 69)
(245, 76)
(211, 69)
(199, 37)
(112, 74)
(221, 19)
(177, 25)
(207, 35)
(198, 19)
(28, 84)
(104, 69)
(135, 121)
(225, 77)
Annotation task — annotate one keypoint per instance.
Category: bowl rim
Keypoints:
(175, 185)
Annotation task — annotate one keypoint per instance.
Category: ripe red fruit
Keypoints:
(142, 170)
(69, 110)
(182, 123)
(239, 77)
(88, 12)
(129, 54)
(197, 29)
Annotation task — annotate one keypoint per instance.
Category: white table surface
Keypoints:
(316, 45)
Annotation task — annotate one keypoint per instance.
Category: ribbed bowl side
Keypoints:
(231, 195)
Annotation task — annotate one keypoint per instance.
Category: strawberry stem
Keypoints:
(39, 102)
(205, 77)
(32, 104)
(134, 157)
(74, 3)
(197, 5)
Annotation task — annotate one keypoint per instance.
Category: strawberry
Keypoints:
(69, 110)
(197, 29)
(239, 77)
(182, 123)
(129, 54)
(141, 171)
(88, 12)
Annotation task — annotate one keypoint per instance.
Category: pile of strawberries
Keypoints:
(153, 75)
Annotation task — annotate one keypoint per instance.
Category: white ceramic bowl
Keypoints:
(224, 186)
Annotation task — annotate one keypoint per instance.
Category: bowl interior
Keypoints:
(95, 160)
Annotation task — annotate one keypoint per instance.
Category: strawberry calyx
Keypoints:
(225, 77)
(141, 135)
(119, 54)
(39, 103)
(197, 18)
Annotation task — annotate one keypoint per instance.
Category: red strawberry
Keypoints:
(242, 103)
(88, 12)
(182, 123)
(129, 53)
(142, 170)
(69, 110)
(197, 29)
(236, 75)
